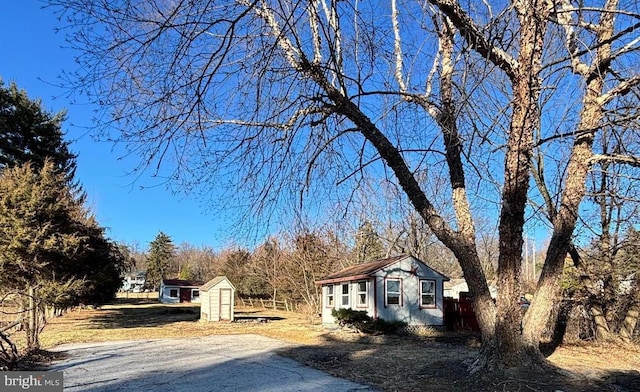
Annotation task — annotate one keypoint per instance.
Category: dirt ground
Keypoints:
(440, 362)
(437, 362)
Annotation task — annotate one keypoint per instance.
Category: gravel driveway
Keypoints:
(213, 363)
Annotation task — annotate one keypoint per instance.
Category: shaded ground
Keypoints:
(213, 363)
(440, 363)
(388, 363)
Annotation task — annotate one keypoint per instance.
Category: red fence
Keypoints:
(459, 314)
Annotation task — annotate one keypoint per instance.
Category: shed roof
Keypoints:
(181, 283)
(213, 282)
(366, 270)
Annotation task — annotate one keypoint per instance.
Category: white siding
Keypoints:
(410, 272)
(218, 302)
(369, 305)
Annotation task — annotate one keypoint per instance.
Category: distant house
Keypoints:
(217, 300)
(134, 281)
(398, 288)
(454, 287)
(178, 290)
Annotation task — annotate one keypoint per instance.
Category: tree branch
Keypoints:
(397, 46)
(621, 89)
(474, 37)
(616, 158)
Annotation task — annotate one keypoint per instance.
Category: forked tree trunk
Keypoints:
(503, 345)
(510, 348)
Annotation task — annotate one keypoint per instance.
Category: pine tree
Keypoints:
(38, 236)
(368, 245)
(28, 133)
(161, 253)
(52, 251)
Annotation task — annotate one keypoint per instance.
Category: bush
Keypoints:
(360, 320)
(387, 327)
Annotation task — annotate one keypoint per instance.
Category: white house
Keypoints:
(177, 290)
(217, 300)
(399, 288)
(134, 281)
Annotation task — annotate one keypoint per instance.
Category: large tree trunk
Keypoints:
(629, 323)
(603, 332)
(548, 288)
(511, 348)
(633, 313)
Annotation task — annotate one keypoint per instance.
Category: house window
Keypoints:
(195, 294)
(173, 293)
(428, 293)
(330, 296)
(392, 291)
(362, 294)
(345, 294)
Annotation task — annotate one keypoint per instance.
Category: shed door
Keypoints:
(225, 304)
(185, 295)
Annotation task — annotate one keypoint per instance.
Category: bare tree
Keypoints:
(288, 99)
(311, 256)
(266, 264)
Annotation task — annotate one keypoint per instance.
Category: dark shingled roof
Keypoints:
(361, 270)
(181, 283)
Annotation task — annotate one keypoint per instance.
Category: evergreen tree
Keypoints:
(368, 245)
(36, 229)
(37, 237)
(161, 253)
(28, 133)
(100, 264)
(52, 251)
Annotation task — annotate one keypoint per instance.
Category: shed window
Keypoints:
(362, 294)
(330, 296)
(392, 291)
(428, 293)
(345, 294)
(173, 293)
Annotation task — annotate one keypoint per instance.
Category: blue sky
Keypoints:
(33, 56)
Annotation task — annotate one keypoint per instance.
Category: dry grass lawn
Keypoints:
(390, 363)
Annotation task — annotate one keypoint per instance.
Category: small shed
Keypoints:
(217, 299)
(399, 288)
(178, 291)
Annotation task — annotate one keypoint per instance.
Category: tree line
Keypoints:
(53, 252)
(599, 298)
(282, 267)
